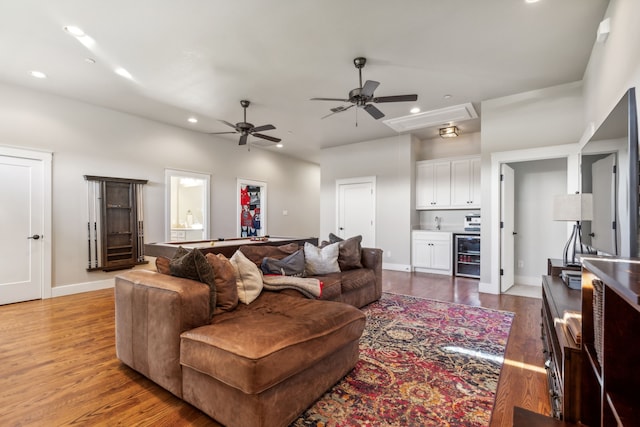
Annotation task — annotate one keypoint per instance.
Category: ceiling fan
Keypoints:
(245, 129)
(362, 96)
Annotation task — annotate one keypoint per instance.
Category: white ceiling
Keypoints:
(201, 57)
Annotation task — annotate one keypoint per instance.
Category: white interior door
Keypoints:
(22, 223)
(604, 214)
(507, 244)
(356, 209)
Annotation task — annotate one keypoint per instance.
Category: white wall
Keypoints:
(86, 139)
(547, 117)
(390, 160)
(467, 144)
(539, 237)
(614, 66)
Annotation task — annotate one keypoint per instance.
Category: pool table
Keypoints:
(226, 247)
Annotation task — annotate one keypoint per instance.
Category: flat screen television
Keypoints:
(609, 171)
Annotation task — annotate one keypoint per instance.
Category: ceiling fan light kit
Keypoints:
(363, 96)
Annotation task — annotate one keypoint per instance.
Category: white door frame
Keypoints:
(569, 151)
(46, 158)
(360, 180)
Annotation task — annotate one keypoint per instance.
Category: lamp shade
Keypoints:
(573, 207)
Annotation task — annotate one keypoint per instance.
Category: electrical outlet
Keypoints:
(520, 263)
(285, 212)
(388, 254)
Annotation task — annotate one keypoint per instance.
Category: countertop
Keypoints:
(452, 230)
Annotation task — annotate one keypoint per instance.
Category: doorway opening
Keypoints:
(187, 206)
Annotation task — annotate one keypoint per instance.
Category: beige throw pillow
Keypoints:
(248, 278)
(320, 261)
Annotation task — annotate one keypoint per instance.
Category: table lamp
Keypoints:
(573, 207)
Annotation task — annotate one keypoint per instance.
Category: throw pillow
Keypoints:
(193, 265)
(320, 261)
(226, 288)
(162, 265)
(350, 253)
(293, 265)
(257, 252)
(248, 278)
(333, 238)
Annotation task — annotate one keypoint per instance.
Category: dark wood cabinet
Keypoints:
(611, 349)
(563, 358)
(119, 237)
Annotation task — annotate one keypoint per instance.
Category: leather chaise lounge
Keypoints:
(260, 364)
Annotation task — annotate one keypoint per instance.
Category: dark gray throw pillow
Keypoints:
(293, 265)
(349, 257)
(193, 265)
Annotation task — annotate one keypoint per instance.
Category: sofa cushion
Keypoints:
(226, 287)
(331, 286)
(258, 346)
(193, 265)
(257, 253)
(356, 279)
(248, 278)
(321, 260)
(350, 251)
(292, 265)
(162, 265)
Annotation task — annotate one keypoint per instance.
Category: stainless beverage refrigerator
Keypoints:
(467, 255)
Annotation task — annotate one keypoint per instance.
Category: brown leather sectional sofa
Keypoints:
(261, 364)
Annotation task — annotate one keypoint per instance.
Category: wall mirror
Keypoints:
(609, 171)
(187, 206)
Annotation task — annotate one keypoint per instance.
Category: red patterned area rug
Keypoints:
(422, 363)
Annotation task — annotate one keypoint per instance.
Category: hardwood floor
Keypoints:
(58, 363)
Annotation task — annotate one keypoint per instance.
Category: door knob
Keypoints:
(592, 234)
(34, 237)
(514, 232)
(341, 228)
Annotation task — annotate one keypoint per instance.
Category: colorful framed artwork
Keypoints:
(252, 208)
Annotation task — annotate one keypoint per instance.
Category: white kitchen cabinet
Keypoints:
(431, 252)
(433, 184)
(465, 183)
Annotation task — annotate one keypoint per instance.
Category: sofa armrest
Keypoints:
(152, 310)
(372, 258)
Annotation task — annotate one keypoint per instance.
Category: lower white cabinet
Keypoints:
(431, 252)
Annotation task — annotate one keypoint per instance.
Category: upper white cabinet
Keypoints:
(433, 184)
(465, 183)
(448, 184)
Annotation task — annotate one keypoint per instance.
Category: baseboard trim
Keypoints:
(76, 288)
(528, 280)
(396, 267)
(488, 288)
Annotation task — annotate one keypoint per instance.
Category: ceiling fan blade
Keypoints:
(396, 98)
(369, 87)
(220, 133)
(373, 111)
(330, 99)
(243, 139)
(267, 137)
(339, 109)
(263, 128)
(227, 123)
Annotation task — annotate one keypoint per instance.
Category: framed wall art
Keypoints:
(252, 208)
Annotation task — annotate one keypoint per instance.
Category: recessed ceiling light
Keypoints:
(279, 145)
(74, 31)
(89, 60)
(124, 73)
(414, 110)
(38, 74)
(531, 1)
(192, 120)
(447, 96)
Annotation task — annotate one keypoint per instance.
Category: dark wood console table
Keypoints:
(563, 358)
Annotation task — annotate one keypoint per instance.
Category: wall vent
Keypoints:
(441, 117)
